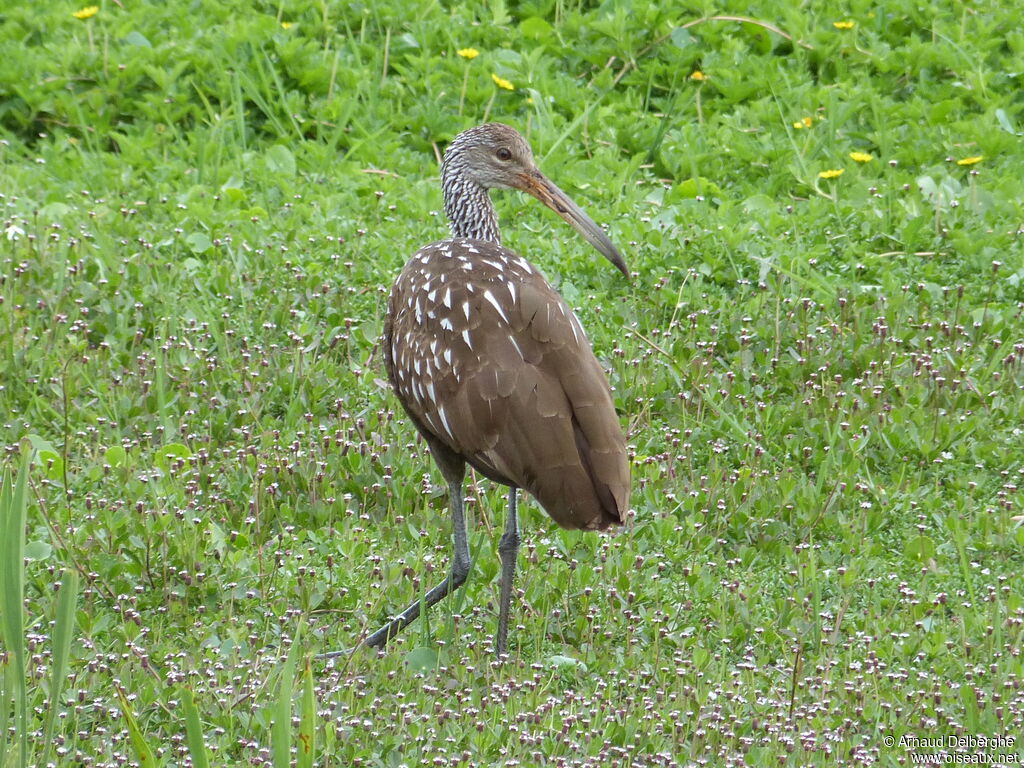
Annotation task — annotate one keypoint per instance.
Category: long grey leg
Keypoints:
(508, 549)
(456, 578)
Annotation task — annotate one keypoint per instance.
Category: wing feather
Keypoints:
(524, 399)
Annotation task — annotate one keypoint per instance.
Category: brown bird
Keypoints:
(494, 369)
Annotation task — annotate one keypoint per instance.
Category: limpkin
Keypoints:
(494, 369)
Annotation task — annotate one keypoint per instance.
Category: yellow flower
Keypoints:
(835, 173)
(501, 82)
(468, 53)
(861, 157)
(287, 24)
(698, 75)
(804, 122)
(844, 24)
(86, 13)
(970, 160)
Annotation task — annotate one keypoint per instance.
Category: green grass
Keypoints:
(203, 211)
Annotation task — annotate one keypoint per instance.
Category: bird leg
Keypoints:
(508, 549)
(456, 576)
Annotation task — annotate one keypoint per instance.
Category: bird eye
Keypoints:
(504, 154)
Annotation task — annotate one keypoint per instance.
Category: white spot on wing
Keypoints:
(574, 323)
(494, 302)
(465, 338)
(444, 422)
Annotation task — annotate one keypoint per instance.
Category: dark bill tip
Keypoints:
(542, 188)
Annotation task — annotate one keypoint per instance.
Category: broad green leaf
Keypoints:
(166, 454)
(1004, 122)
(199, 242)
(115, 456)
(499, 13)
(40, 444)
(695, 186)
(920, 548)
(701, 656)
(422, 659)
(38, 550)
(536, 28)
(280, 161)
(51, 463)
(54, 211)
(682, 38)
(137, 38)
(566, 662)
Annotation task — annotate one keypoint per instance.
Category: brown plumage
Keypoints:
(498, 371)
(493, 367)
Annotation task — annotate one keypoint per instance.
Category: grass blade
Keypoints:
(194, 730)
(12, 592)
(307, 721)
(5, 704)
(6, 691)
(280, 734)
(142, 750)
(63, 631)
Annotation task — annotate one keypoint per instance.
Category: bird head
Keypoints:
(495, 156)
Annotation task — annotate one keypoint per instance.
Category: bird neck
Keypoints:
(470, 210)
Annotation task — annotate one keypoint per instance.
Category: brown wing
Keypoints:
(491, 362)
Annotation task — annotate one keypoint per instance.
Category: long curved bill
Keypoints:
(541, 187)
